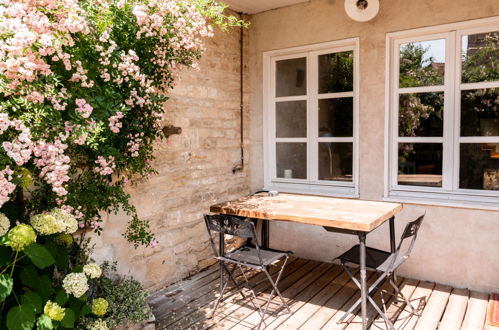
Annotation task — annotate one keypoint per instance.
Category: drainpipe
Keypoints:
(240, 167)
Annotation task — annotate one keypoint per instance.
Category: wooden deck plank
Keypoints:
(290, 294)
(396, 305)
(335, 308)
(304, 299)
(476, 311)
(302, 315)
(232, 315)
(355, 322)
(434, 309)
(455, 310)
(202, 308)
(406, 320)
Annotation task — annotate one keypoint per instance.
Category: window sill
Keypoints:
(454, 200)
(314, 189)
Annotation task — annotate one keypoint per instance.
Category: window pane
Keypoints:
(422, 63)
(480, 112)
(291, 119)
(336, 72)
(291, 77)
(335, 161)
(336, 117)
(479, 166)
(420, 164)
(421, 114)
(480, 57)
(291, 160)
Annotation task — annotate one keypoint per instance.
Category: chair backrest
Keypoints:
(411, 230)
(230, 225)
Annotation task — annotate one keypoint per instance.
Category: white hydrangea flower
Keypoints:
(75, 284)
(92, 270)
(46, 224)
(4, 224)
(67, 221)
(98, 325)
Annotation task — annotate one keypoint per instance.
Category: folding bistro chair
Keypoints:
(385, 263)
(248, 255)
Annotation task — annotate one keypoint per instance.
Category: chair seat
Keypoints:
(249, 256)
(375, 259)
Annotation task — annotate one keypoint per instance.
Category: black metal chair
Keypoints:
(385, 263)
(249, 255)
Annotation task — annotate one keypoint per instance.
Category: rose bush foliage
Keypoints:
(83, 86)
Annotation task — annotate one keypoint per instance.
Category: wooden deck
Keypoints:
(318, 294)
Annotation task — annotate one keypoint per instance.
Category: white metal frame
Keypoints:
(450, 191)
(311, 185)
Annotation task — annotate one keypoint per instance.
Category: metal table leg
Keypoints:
(363, 286)
(392, 234)
(265, 233)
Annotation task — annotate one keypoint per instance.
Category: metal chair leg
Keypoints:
(413, 310)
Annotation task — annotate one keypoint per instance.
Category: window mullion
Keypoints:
(449, 114)
(456, 119)
(313, 115)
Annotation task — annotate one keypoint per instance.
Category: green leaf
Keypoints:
(44, 323)
(5, 255)
(44, 287)
(29, 277)
(85, 310)
(60, 254)
(20, 318)
(61, 298)
(39, 255)
(6, 284)
(33, 300)
(69, 319)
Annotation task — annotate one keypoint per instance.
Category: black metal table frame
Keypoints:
(265, 236)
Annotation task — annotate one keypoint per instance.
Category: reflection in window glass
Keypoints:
(291, 159)
(336, 72)
(291, 119)
(421, 114)
(422, 63)
(335, 161)
(480, 57)
(420, 164)
(291, 77)
(480, 112)
(336, 117)
(479, 166)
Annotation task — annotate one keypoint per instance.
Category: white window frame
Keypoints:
(311, 185)
(449, 193)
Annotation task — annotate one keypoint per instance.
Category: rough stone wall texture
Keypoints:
(456, 246)
(195, 171)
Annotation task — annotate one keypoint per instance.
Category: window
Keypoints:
(444, 112)
(311, 119)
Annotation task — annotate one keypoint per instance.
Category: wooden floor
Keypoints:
(317, 294)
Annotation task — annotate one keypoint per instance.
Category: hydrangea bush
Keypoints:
(82, 92)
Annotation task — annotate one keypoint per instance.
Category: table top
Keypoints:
(341, 213)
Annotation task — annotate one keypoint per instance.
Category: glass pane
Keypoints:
(421, 114)
(291, 119)
(480, 57)
(335, 161)
(336, 72)
(422, 63)
(336, 117)
(479, 166)
(291, 160)
(291, 77)
(420, 164)
(480, 112)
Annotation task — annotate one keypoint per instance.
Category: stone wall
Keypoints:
(195, 171)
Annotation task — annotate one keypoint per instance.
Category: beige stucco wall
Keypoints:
(456, 246)
(195, 171)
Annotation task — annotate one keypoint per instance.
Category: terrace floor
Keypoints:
(318, 294)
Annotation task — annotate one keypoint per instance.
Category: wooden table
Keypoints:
(334, 214)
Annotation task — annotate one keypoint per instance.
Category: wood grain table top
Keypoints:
(341, 213)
